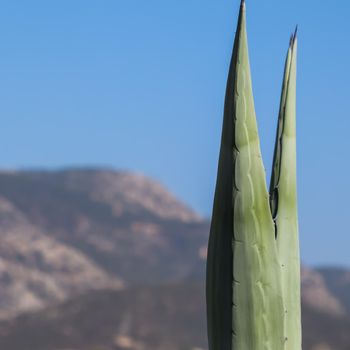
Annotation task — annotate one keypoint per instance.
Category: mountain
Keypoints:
(98, 259)
(317, 294)
(36, 270)
(66, 232)
(338, 282)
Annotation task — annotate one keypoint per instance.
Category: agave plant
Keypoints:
(253, 268)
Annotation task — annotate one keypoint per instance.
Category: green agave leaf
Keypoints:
(244, 295)
(276, 166)
(283, 200)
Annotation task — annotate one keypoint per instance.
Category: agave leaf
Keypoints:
(276, 166)
(244, 295)
(283, 200)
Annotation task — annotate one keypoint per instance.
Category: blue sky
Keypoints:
(140, 85)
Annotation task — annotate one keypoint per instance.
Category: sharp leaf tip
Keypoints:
(295, 33)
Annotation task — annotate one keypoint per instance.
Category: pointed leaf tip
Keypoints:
(295, 34)
(293, 37)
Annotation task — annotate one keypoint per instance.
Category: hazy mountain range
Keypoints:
(102, 260)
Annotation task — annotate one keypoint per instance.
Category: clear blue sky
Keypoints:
(140, 85)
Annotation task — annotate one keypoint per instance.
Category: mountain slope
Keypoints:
(127, 224)
(317, 295)
(36, 270)
(338, 282)
(66, 232)
(156, 318)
